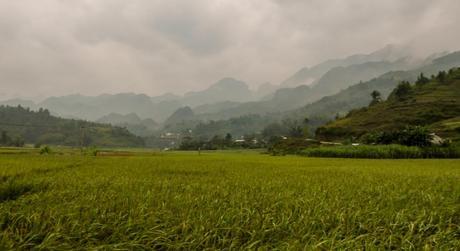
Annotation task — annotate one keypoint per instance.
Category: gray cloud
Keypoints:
(56, 47)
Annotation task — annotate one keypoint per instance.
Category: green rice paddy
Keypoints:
(226, 200)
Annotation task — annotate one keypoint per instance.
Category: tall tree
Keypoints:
(376, 97)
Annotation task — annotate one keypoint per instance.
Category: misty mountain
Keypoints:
(183, 114)
(307, 76)
(215, 107)
(158, 108)
(282, 100)
(116, 118)
(132, 122)
(227, 89)
(92, 108)
(265, 91)
(340, 78)
(445, 62)
(323, 110)
(332, 82)
(165, 98)
(347, 96)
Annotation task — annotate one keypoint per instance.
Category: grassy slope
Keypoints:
(227, 200)
(428, 104)
(449, 128)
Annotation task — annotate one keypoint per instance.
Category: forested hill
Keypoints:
(432, 102)
(39, 127)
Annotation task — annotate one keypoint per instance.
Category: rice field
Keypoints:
(226, 200)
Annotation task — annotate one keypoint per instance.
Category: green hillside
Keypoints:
(39, 127)
(353, 97)
(358, 95)
(431, 102)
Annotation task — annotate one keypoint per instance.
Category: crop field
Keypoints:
(226, 200)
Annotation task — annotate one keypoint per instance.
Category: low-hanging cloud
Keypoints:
(57, 47)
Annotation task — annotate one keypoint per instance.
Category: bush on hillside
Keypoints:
(415, 136)
(422, 80)
(402, 91)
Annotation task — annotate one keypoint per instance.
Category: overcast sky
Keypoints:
(56, 47)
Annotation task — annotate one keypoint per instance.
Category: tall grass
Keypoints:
(229, 201)
(382, 152)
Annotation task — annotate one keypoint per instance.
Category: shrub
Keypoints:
(90, 151)
(45, 150)
(402, 91)
(410, 136)
(6, 140)
(422, 80)
(441, 77)
(291, 146)
(17, 142)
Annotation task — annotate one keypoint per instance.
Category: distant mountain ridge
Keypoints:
(227, 89)
(158, 108)
(387, 77)
(182, 114)
(115, 118)
(307, 76)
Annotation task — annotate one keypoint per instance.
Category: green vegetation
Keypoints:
(19, 125)
(424, 104)
(409, 136)
(212, 135)
(221, 143)
(381, 152)
(6, 140)
(45, 150)
(283, 146)
(226, 201)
